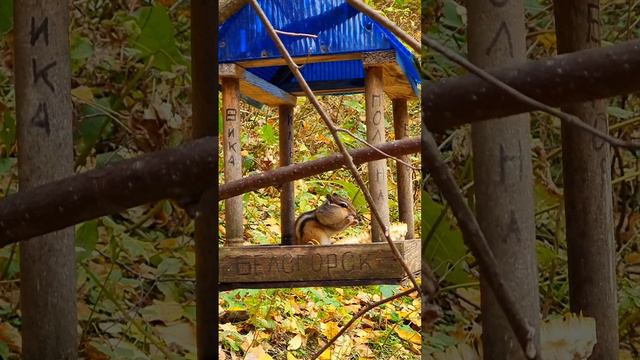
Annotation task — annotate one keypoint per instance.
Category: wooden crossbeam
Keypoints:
(396, 85)
(315, 265)
(255, 87)
(299, 60)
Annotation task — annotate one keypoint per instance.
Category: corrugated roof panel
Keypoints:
(339, 27)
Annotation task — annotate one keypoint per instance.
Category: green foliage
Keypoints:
(86, 239)
(443, 244)
(8, 131)
(6, 16)
(156, 38)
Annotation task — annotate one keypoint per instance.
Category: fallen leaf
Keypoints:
(295, 342)
(257, 353)
(408, 334)
(83, 93)
(180, 333)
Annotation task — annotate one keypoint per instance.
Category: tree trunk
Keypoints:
(44, 113)
(503, 178)
(205, 109)
(587, 190)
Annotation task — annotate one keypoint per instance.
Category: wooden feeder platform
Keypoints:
(272, 266)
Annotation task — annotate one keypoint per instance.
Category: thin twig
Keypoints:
(378, 150)
(379, 18)
(362, 311)
(287, 33)
(334, 132)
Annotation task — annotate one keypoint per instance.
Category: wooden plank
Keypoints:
(287, 191)
(255, 87)
(300, 60)
(377, 170)
(396, 85)
(315, 264)
(232, 158)
(316, 283)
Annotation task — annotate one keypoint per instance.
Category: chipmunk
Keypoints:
(317, 226)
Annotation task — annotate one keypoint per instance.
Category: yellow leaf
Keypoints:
(257, 353)
(547, 40)
(295, 342)
(228, 327)
(408, 334)
(330, 329)
(170, 243)
(326, 355)
(291, 357)
(83, 93)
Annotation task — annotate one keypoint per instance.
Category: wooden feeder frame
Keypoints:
(289, 266)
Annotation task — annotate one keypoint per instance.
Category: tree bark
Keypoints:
(204, 59)
(581, 76)
(587, 190)
(44, 113)
(503, 179)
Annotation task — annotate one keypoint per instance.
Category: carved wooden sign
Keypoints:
(253, 264)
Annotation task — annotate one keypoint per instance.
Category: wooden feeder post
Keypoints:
(404, 174)
(374, 108)
(232, 157)
(287, 212)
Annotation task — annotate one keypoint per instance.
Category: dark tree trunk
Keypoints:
(204, 59)
(587, 190)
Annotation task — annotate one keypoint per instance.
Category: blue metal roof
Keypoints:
(339, 28)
